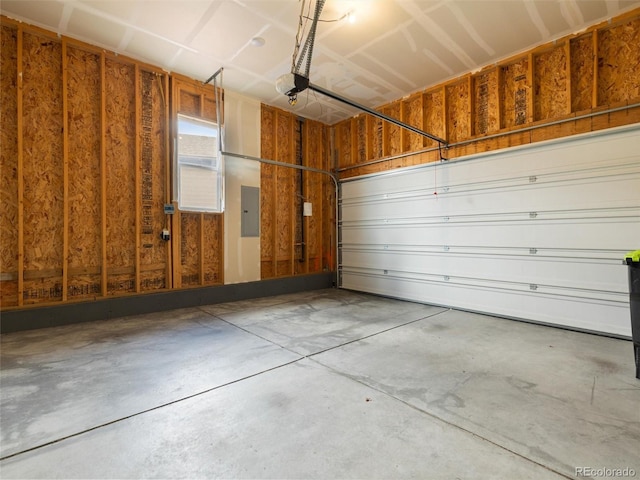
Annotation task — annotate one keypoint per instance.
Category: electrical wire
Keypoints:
(299, 35)
(331, 21)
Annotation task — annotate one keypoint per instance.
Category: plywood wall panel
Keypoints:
(209, 109)
(581, 53)
(43, 168)
(190, 248)
(486, 104)
(315, 151)
(212, 249)
(284, 192)
(619, 63)
(362, 139)
(153, 181)
(189, 103)
(551, 98)
(85, 220)
(515, 93)
(120, 165)
(458, 111)
(393, 133)
(8, 167)
(298, 198)
(267, 192)
(343, 143)
(413, 114)
(376, 131)
(434, 115)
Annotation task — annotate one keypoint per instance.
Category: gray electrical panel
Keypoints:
(250, 210)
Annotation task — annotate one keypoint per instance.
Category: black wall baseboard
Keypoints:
(106, 308)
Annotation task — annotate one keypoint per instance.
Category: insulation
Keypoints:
(619, 63)
(9, 168)
(486, 107)
(43, 167)
(515, 93)
(85, 220)
(551, 98)
(581, 54)
(190, 248)
(120, 165)
(458, 111)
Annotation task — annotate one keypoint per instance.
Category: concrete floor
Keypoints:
(325, 384)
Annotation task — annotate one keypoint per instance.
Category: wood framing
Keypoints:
(512, 101)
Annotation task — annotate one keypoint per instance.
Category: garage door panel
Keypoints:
(574, 273)
(534, 232)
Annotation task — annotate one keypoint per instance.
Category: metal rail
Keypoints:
(488, 137)
(375, 113)
(307, 169)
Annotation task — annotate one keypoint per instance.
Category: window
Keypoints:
(199, 167)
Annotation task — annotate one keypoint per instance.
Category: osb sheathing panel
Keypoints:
(343, 143)
(283, 268)
(619, 63)
(314, 137)
(486, 108)
(458, 111)
(267, 192)
(267, 269)
(515, 94)
(43, 166)
(267, 210)
(212, 249)
(361, 138)
(581, 72)
(190, 248)
(434, 117)
(376, 131)
(298, 193)
(551, 98)
(189, 103)
(85, 220)
(284, 192)
(9, 167)
(413, 115)
(209, 109)
(503, 98)
(120, 170)
(393, 132)
(153, 174)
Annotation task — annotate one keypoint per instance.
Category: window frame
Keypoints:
(215, 161)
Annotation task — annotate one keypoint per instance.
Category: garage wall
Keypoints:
(242, 135)
(535, 232)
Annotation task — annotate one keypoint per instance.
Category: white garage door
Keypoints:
(535, 233)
